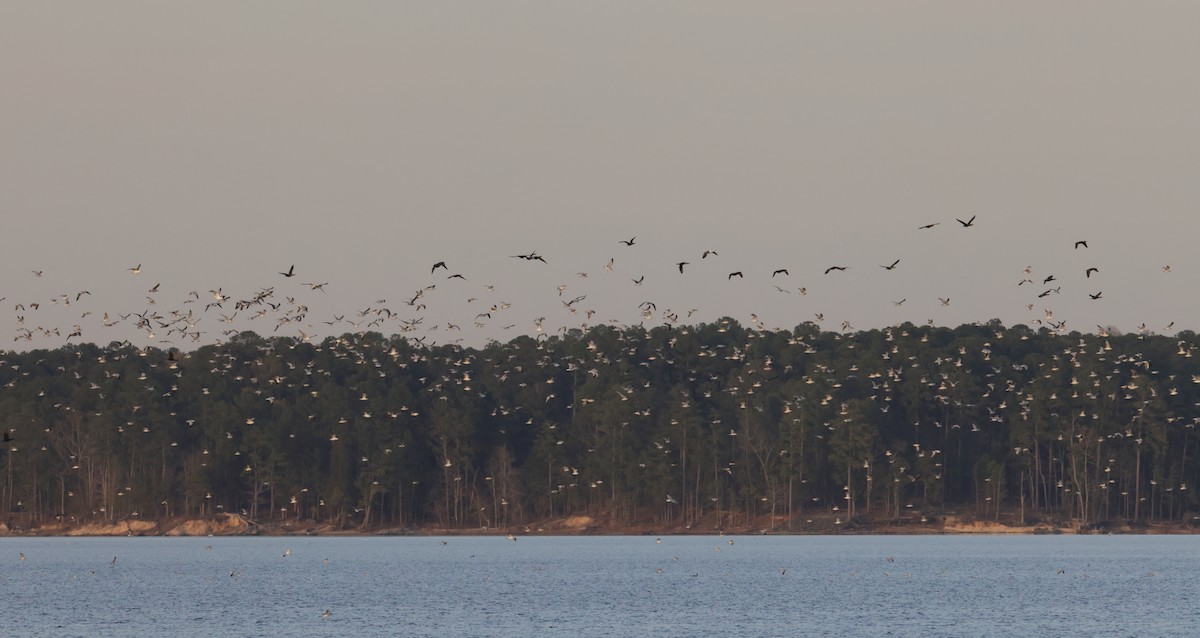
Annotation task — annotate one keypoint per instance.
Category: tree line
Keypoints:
(667, 425)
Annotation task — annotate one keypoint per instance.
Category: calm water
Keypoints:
(603, 586)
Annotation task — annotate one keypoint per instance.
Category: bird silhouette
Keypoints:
(892, 266)
(967, 224)
(833, 268)
(291, 271)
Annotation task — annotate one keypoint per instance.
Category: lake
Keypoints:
(602, 586)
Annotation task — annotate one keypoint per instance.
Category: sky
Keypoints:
(218, 144)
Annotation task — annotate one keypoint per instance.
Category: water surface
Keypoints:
(602, 586)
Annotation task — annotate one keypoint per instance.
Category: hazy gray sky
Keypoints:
(218, 143)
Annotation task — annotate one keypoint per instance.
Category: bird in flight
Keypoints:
(291, 272)
(945, 302)
(628, 242)
(440, 264)
(681, 265)
(967, 224)
(897, 303)
(707, 253)
(1081, 243)
(1091, 270)
(928, 226)
(639, 280)
(735, 274)
(1097, 295)
(135, 270)
(891, 267)
(781, 271)
(832, 268)
(530, 257)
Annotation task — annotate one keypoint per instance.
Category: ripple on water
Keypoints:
(602, 586)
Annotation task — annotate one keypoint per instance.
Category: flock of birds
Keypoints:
(285, 310)
(215, 315)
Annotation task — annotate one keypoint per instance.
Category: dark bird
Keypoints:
(1048, 279)
(440, 264)
(928, 226)
(1097, 295)
(735, 274)
(1091, 270)
(291, 271)
(707, 253)
(681, 265)
(833, 268)
(781, 271)
(530, 257)
(639, 280)
(1080, 243)
(891, 267)
(628, 242)
(456, 276)
(967, 224)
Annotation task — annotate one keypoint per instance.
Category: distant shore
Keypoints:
(949, 523)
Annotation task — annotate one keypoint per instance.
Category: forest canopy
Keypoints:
(666, 425)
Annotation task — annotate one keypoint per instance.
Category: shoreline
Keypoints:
(948, 524)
